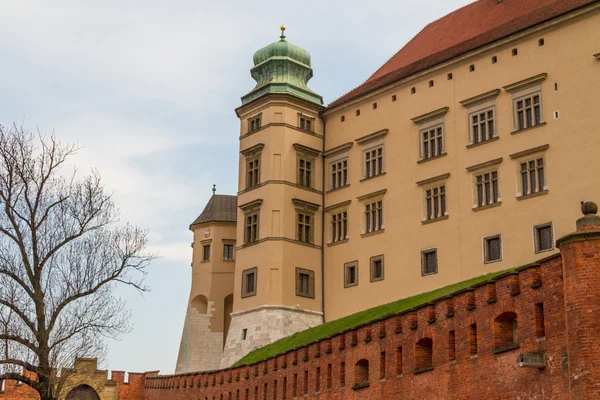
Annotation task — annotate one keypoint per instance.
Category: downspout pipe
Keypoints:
(323, 188)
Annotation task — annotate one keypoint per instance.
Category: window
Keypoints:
(450, 76)
(541, 42)
(329, 375)
(494, 60)
(249, 282)
(361, 374)
(351, 274)
(399, 361)
(528, 111)
(492, 249)
(305, 283)
(305, 168)
(373, 162)
(543, 238)
(227, 252)
(505, 330)
(342, 374)
(482, 126)
(382, 365)
(429, 262)
(253, 172)
(413, 90)
(533, 178)
(471, 67)
(306, 123)
(339, 173)
(487, 188)
(254, 123)
(339, 227)
(432, 142)
(452, 345)
(251, 227)
(473, 339)
(376, 266)
(244, 333)
(431, 83)
(394, 97)
(342, 118)
(374, 106)
(515, 52)
(424, 354)
(374, 216)
(540, 329)
(357, 113)
(304, 227)
(435, 202)
(206, 252)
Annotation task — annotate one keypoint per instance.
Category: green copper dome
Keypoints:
(282, 68)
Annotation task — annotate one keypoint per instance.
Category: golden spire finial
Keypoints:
(282, 27)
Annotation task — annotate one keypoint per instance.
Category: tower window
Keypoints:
(533, 177)
(339, 173)
(432, 142)
(373, 162)
(228, 252)
(304, 227)
(305, 168)
(251, 227)
(339, 226)
(374, 216)
(305, 283)
(306, 123)
(528, 111)
(254, 123)
(253, 172)
(249, 282)
(351, 274)
(206, 252)
(435, 202)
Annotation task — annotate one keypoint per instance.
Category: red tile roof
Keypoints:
(463, 30)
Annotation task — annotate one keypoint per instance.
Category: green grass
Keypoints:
(361, 318)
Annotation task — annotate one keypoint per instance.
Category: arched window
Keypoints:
(83, 392)
(200, 303)
(505, 330)
(361, 374)
(424, 354)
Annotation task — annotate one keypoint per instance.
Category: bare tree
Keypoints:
(62, 253)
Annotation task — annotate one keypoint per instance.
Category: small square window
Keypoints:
(515, 52)
(305, 283)
(206, 252)
(306, 123)
(357, 113)
(251, 227)
(342, 118)
(394, 97)
(254, 123)
(431, 83)
(471, 67)
(374, 106)
(376, 266)
(450, 76)
(543, 237)
(494, 60)
(429, 262)
(244, 333)
(249, 277)
(228, 252)
(541, 42)
(492, 249)
(351, 274)
(413, 90)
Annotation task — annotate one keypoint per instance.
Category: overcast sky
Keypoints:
(148, 89)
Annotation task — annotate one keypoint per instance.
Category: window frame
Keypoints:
(254, 119)
(245, 274)
(372, 264)
(368, 200)
(480, 170)
(536, 237)
(521, 90)
(228, 242)
(520, 182)
(306, 154)
(253, 155)
(379, 162)
(310, 120)
(310, 225)
(311, 283)
(373, 142)
(341, 171)
(424, 253)
(302, 171)
(307, 209)
(206, 252)
(485, 242)
(422, 141)
(478, 112)
(251, 209)
(338, 226)
(522, 98)
(431, 121)
(347, 266)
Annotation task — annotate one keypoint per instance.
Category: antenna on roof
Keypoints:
(214, 189)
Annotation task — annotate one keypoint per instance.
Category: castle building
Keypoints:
(450, 162)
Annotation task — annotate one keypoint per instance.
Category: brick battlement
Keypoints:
(465, 345)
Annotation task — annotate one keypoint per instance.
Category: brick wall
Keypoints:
(464, 346)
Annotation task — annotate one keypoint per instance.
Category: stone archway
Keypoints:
(83, 392)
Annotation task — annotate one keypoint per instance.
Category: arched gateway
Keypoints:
(83, 392)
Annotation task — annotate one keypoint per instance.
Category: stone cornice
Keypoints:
(525, 83)
(252, 150)
(251, 205)
(372, 194)
(273, 307)
(433, 179)
(279, 182)
(263, 127)
(485, 164)
(480, 98)
(299, 203)
(300, 148)
(430, 116)
(372, 137)
(338, 205)
(338, 149)
(579, 236)
(527, 152)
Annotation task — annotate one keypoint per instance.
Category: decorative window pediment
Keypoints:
(302, 205)
(251, 205)
(253, 150)
(430, 116)
(481, 98)
(372, 137)
(526, 83)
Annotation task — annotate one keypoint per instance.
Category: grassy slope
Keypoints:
(351, 321)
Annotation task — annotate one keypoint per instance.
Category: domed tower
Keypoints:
(278, 279)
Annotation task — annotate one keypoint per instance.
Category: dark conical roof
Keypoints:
(220, 208)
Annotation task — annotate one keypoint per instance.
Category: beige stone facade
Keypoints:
(451, 172)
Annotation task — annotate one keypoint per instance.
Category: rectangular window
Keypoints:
(351, 274)
(295, 386)
(318, 380)
(376, 264)
(374, 216)
(382, 365)
(305, 283)
(533, 177)
(399, 361)
(339, 226)
(343, 374)
(487, 188)
(451, 345)
(429, 262)
(328, 376)
(540, 328)
(284, 395)
(305, 168)
(305, 382)
(528, 111)
(432, 142)
(339, 174)
(249, 282)
(492, 249)
(253, 172)
(206, 252)
(373, 162)
(254, 123)
(473, 339)
(482, 126)
(435, 201)
(228, 252)
(306, 124)
(251, 227)
(543, 238)
(304, 227)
